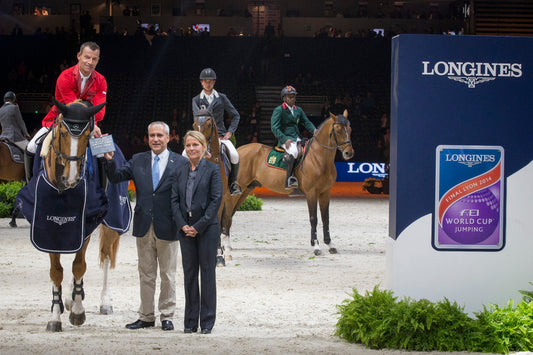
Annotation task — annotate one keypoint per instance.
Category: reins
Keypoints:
(332, 133)
(210, 138)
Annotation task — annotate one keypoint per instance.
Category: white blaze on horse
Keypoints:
(65, 161)
(316, 173)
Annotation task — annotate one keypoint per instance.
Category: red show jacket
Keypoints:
(68, 89)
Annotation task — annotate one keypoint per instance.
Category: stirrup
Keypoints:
(235, 189)
(292, 183)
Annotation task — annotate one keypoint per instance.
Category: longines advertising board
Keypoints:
(461, 170)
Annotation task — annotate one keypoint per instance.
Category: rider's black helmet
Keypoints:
(10, 96)
(208, 73)
(287, 90)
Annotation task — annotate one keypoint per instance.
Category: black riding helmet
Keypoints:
(287, 90)
(208, 73)
(10, 96)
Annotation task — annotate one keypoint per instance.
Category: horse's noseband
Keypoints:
(332, 133)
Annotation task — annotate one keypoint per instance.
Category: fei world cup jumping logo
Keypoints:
(469, 198)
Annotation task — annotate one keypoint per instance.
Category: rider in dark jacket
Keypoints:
(217, 103)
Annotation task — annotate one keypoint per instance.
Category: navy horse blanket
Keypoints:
(60, 223)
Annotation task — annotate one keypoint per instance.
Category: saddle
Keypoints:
(17, 155)
(275, 157)
(224, 153)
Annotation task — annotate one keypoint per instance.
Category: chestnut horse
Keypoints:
(9, 170)
(64, 165)
(207, 126)
(316, 173)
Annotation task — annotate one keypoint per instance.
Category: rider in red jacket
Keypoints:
(68, 87)
(81, 81)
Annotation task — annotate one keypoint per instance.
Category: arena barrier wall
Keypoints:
(461, 172)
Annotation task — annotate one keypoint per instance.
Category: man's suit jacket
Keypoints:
(206, 198)
(150, 205)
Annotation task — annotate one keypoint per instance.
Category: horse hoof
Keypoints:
(333, 250)
(220, 261)
(106, 310)
(77, 319)
(13, 224)
(54, 326)
(318, 252)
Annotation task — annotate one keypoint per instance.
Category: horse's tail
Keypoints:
(109, 242)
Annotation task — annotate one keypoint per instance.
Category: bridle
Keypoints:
(211, 135)
(332, 133)
(60, 158)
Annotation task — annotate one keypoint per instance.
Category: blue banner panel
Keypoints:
(454, 91)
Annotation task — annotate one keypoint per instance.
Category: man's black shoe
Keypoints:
(190, 330)
(167, 325)
(138, 324)
(206, 331)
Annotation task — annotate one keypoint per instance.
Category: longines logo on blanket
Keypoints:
(60, 219)
(472, 73)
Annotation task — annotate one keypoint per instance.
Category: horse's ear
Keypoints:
(93, 110)
(61, 107)
(332, 116)
(345, 113)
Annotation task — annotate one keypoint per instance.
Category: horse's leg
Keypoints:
(79, 266)
(311, 207)
(324, 213)
(13, 222)
(109, 241)
(56, 275)
(225, 224)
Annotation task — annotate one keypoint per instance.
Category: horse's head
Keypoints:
(204, 122)
(70, 135)
(339, 135)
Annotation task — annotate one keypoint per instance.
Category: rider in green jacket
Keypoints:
(284, 124)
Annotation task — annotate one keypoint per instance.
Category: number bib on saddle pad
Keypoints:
(58, 224)
(274, 159)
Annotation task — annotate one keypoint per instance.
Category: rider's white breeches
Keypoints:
(233, 155)
(292, 149)
(32, 145)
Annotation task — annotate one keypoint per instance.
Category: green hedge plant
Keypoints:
(381, 321)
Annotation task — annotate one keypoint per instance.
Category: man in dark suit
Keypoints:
(153, 173)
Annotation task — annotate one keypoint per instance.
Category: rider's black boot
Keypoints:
(28, 165)
(234, 187)
(291, 182)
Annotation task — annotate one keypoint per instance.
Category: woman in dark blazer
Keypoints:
(196, 198)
